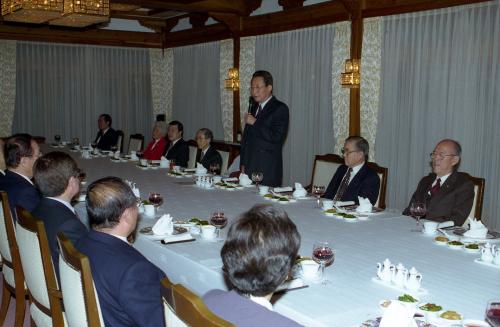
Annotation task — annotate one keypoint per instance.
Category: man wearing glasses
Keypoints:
(447, 193)
(354, 178)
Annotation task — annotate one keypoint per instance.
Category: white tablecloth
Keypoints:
(451, 277)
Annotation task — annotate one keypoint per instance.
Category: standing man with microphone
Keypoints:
(266, 127)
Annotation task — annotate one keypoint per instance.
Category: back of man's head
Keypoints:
(107, 200)
(53, 171)
(17, 147)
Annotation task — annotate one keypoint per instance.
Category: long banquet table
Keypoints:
(451, 277)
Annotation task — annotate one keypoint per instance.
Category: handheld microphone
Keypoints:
(251, 102)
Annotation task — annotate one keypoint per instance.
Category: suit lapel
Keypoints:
(447, 186)
(357, 179)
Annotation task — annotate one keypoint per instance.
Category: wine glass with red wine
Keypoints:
(219, 220)
(418, 210)
(492, 315)
(156, 199)
(324, 255)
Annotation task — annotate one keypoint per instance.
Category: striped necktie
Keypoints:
(343, 186)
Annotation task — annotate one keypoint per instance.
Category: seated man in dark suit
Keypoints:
(448, 194)
(127, 284)
(56, 176)
(259, 234)
(21, 151)
(354, 178)
(178, 149)
(207, 155)
(107, 136)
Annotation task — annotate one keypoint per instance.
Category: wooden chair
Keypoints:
(135, 142)
(13, 276)
(477, 205)
(324, 168)
(45, 295)
(189, 308)
(119, 142)
(382, 173)
(81, 302)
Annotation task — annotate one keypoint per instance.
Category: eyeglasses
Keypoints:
(345, 152)
(257, 87)
(440, 155)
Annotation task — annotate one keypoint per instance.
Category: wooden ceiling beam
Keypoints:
(93, 36)
(230, 6)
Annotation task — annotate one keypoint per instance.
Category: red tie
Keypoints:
(436, 187)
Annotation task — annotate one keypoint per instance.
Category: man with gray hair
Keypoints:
(447, 193)
(207, 155)
(354, 178)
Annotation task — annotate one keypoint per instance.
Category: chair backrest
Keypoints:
(119, 142)
(225, 161)
(171, 319)
(192, 156)
(190, 308)
(477, 205)
(382, 173)
(324, 168)
(81, 303)
(135, 142)
(38, 269)
(12, 269)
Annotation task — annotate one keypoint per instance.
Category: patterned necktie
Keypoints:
(436, 187)
(343, 186)
(259, 109)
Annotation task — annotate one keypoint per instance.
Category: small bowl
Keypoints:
(455, 246)
(474, 323)
(466, 249)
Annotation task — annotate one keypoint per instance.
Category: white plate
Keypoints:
(491, 264)
(351, 220)
(471, 250)
(455, 247)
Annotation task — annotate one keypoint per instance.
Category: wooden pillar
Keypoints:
(236, 94)
(354, 97)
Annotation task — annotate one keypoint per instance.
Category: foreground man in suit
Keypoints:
(56, 176)
(178, 150)
(354, 178)
(447, 193)
(207, 155)
(266, 126)
(261, 233)
(21, 152)
(128, 285)
(107, 136)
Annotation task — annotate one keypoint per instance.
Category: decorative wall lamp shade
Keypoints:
(233, 80)
(351, 77)
(31, 11)
(73, 13)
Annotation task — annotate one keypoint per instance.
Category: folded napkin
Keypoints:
(364, 205)
(476, 229)
(177, 238)
(299, 191)
(283, 189)
(134, 156)
(163, 158)
(117, 155)
(398, 314)
(244, 180)
(200, 169)
(344, 203)
(164, 226)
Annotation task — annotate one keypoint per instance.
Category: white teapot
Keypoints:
(384, 270)
(496, 257)
(414, 280)
(399, 275)
(487, 252)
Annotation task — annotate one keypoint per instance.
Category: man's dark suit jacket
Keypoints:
(242, 311)
(211, 157)
(262, 143)
(452, 202)
(128, 285)
(179, 152)
(21, 192)
(365, 184)
(109, 139)
(58, 218)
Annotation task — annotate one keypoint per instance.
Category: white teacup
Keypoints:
(149, 210)
(77, 147)
(263, 189)
(133, 153)
(327, 204)
(86, 154)
(144, 162)
(164, 163)
(310, 270)
(208, 232)
(217, 179)
(430, 227)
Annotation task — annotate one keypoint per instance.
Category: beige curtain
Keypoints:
(226, 96)
(161, 81)
(7, 85)
(247, 68)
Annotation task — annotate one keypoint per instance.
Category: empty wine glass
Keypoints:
(324, 255)
(214, 169)
(418, 210)
(318, 191)
(156, 199)
(57, 138)
(492, 315)
(219, 220)
(76, 141)
(257, 178)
